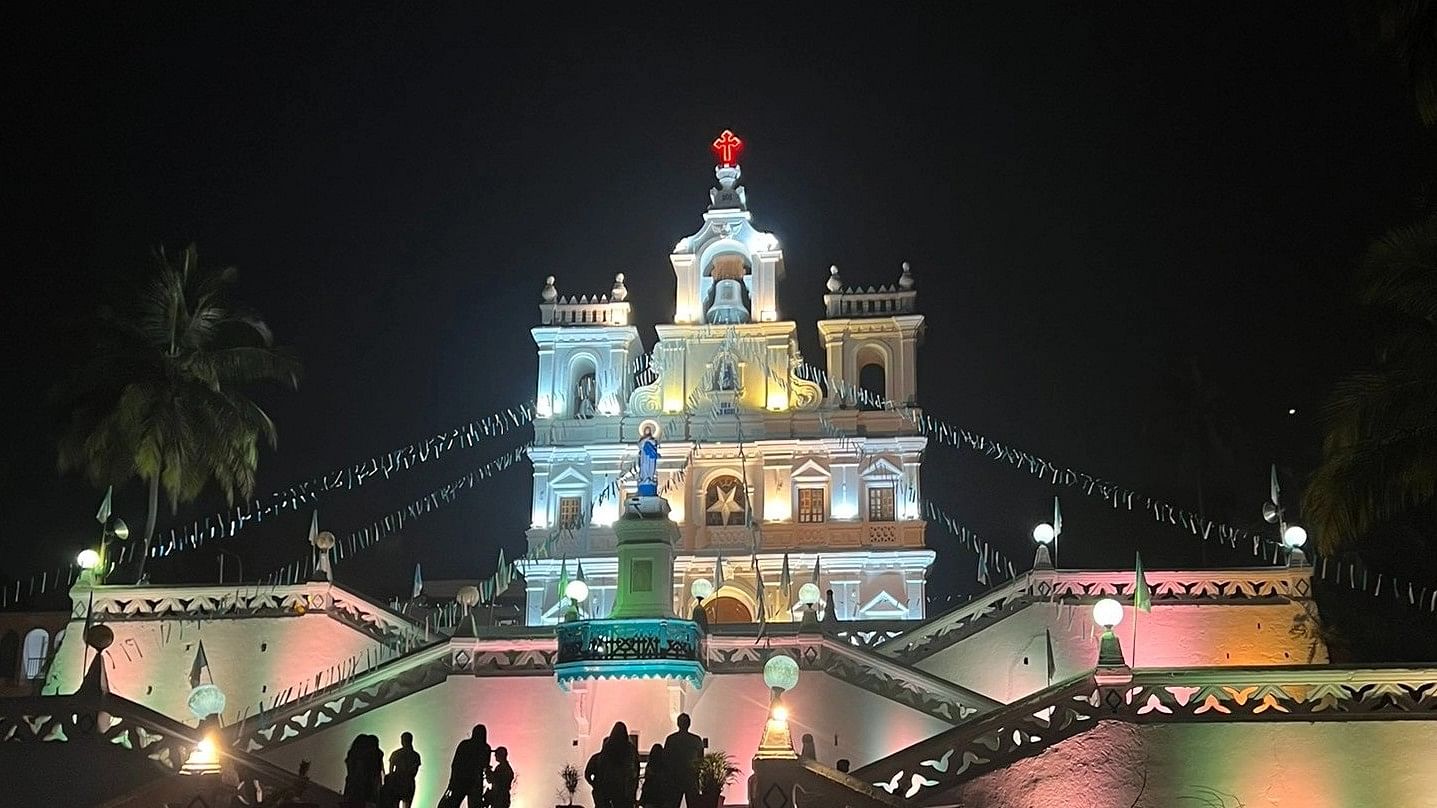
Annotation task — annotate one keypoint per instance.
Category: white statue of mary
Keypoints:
(648, 464)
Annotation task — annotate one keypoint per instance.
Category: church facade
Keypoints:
(1049, 690)
(773, 477)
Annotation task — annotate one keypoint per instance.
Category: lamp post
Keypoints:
(1108, 613)
(701, 589)
(1043, 534)
(780, 673)
(808, 595)
(1293, 537)
(577, 592)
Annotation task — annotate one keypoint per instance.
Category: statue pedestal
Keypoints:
(646, 538)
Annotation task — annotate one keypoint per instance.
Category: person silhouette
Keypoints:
(807, 749)
(614, 772)
(658, 780)
(363, 772)
(682, 752)
(403, 769)
(467, 770)
(501, 780)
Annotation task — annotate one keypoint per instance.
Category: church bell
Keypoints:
(728, 307)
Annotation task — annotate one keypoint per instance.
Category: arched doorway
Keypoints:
(727, 609)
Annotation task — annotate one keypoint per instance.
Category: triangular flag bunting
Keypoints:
(418, 588)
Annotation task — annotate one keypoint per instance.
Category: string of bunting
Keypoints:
(349, 477)
(1357, 576)
(987, 554)
(394, 521)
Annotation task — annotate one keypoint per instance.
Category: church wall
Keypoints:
(544, 727)
(1008, 660)
(250, 659)
(1222, 765)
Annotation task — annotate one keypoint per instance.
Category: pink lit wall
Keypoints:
(1271, 765)
(1009, 659)
(544, 728)
(251, 659)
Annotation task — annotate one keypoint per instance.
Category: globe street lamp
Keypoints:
(1108, 613)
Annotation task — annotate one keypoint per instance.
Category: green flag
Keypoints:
(1142, 595)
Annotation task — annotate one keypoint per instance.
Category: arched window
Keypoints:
(725, 502)
(872, 363)
(874, 382)
(37, 650)
(9, 655)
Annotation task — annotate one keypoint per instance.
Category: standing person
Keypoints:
(615, 778)
(501, 782)
(403, 769)
(363, 770)
(658, 781)
(467, 770)
(682, 752)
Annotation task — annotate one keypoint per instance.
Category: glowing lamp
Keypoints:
(779, 713)
(467, 596)
(1044, 533)
(808, 594)
(780, 672)
(1295, 536)
(206, 700)
(1107, 613)
(702, 589)
(778, 401)
(577, 591)
(88, 559)
(203, 759)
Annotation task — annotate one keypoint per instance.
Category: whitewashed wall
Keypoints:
(1008, 660)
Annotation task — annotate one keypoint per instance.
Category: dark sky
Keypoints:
(1093, 200)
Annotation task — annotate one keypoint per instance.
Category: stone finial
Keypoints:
(905, 281)
(620, 292)
(834, 282)
(550, 294)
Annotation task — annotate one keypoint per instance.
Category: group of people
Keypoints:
(478, 774)
(365, 781)
(671, 774)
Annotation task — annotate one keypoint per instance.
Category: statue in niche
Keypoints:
(648, 463)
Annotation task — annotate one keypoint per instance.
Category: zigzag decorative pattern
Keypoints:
(1216, 586)
(923, 772)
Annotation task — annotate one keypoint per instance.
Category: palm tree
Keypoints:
(163, 397)
(1380, 450)
(1408, 30)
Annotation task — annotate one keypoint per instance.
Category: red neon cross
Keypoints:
(727, 148)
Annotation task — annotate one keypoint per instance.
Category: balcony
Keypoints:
(644, 648)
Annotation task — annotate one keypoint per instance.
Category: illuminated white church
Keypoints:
(1222, 695)
(773, 474)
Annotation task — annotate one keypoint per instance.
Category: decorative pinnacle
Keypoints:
(620, 292)
(550, 294)
(905, 281)
(834, 283)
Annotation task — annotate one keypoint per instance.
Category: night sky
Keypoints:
(1094, 201)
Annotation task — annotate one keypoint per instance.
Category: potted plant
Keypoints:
(569, 775)
(716, 771)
